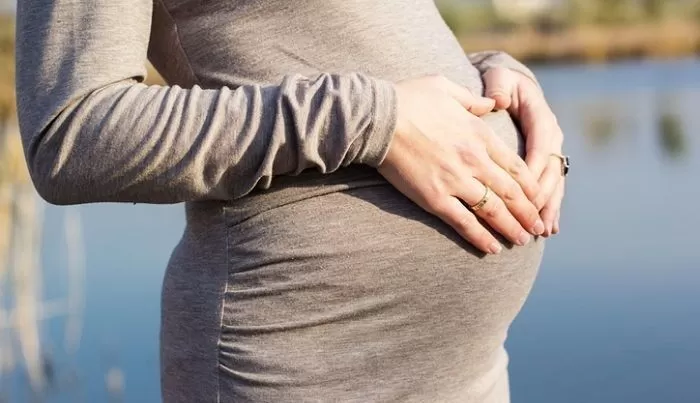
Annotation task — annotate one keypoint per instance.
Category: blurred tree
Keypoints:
(582, 11)
(464, 17)
(671, 136)
(601, 130)
(654, 9)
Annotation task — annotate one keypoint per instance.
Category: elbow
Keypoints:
(64, 149)
(53, 185)
(52, 194)
(54, 173)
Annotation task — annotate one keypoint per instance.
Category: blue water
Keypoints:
(614, 316)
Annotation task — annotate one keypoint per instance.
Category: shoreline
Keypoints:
(593, 43)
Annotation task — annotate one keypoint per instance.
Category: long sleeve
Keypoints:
(488, 59)
(93, 132)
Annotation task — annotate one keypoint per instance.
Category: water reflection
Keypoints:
(671, 136)
(607, 120)
(602, 125)
(614, 314)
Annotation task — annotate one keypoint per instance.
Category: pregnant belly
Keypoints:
(339, 284)
(360, 288)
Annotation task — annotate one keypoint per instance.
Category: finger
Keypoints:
(556, 201)
(457, 216)
(550, 212)
(494, 212)
(500, 83)
(510, 162)
(512, 195)
(539, 132)
(477, 105)
(539, 125)
(549, 215)
(555, 228)
(550, 180)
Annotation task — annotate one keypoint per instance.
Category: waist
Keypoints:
(309, 184)
(285, 190)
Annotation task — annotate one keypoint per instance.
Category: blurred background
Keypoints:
(614, 316)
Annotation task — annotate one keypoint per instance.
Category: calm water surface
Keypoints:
(614, 316)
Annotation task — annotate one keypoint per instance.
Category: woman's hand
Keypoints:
(543, 137)
(443, 155)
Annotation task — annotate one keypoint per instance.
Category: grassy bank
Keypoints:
(592, 43)
(580, 31)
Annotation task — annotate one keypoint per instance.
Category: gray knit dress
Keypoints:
(302, 276)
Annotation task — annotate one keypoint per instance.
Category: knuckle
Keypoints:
(438, 206)
(492, 209)
(511, 193)
(469, 154)
(517, 168)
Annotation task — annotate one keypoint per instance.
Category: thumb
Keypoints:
(499, 84)
(477, 105)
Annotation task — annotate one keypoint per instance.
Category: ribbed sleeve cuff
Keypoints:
(380, 131)
(489, 59)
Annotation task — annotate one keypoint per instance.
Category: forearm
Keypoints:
(93, 133)
(131, 142)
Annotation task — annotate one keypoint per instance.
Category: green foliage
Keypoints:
(655, 8)
(463, 17)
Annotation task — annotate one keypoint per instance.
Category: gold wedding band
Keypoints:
(478, 206)
(564, 159)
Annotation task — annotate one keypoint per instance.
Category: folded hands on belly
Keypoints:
(446, 159)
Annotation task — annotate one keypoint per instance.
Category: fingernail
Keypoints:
(524, 239)
(495, 248)
(538, 229)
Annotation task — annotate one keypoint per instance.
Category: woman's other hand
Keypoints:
(525, 101)
(443, 155)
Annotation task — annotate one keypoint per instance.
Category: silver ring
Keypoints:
(565, 163)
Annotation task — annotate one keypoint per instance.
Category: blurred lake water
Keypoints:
(614, 316)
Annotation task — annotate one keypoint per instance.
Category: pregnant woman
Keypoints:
(356, 230)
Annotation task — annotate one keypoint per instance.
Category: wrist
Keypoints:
(383, 122)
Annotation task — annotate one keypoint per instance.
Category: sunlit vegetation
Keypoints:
(580, 30)
(7, 69)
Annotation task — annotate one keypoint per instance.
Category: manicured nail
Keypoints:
(523, 239)
(495, 248)
(538, 229)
